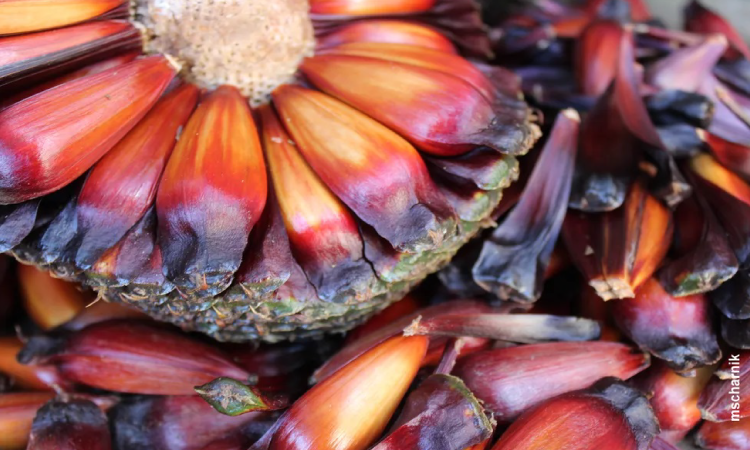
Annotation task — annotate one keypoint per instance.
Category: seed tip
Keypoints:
(413, 328)
(572, 114)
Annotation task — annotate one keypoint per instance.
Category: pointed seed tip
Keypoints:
(572, 114)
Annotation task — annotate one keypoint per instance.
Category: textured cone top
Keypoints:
(263, 168)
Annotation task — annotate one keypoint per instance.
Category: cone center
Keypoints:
(254, 45)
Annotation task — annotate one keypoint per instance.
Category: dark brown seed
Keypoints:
(618, 251)
(172, 423)
(676, 329)
(733, 297)
(70, 425)
(607, 161)
(514, 259)
(441, 414)
(703, 257)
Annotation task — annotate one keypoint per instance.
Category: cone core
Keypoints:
(254, 45)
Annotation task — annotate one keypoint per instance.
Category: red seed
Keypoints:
(724, 436)
(369, 7)
(122, 186)
(366, 393)
(729, 388)
(358, 347)
(462, 119)
(353, 165)
(19, 16)
(673, 397)
(513, 260)
(212, 193)
(50, 139)
(699, 19)
(175, 423)
(141, 357)
(323, 234)
(611, 415)
(511, 380)
(388, 31)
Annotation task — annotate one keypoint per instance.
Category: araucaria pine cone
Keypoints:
(246, 168)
